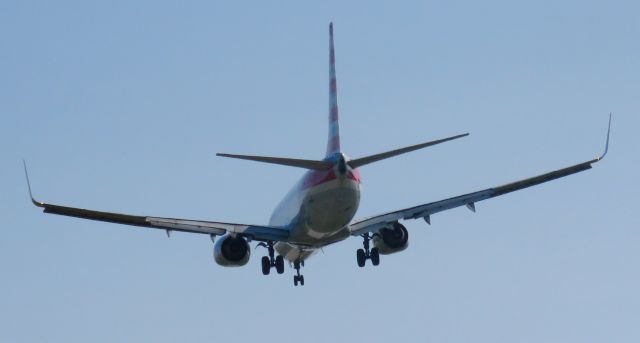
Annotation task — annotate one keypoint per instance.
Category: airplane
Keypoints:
(319, 209)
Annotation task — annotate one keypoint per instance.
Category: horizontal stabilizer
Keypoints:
(292, 162)
(358, 162)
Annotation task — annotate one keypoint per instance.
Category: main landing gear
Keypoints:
(298, 278)
(363, 254)
(269, 261)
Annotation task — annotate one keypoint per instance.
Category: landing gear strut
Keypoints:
(363, 254)
(298, 278)
(269, 261)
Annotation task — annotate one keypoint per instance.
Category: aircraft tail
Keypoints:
(333, 143)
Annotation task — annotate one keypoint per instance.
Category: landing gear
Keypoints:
(374, 255)
(266, 265)
(363, 254)
(298, 278)
(362, 257)
(270, 261)
(279, 264)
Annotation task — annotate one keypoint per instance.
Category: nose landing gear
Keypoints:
(363, 254)
(270, 261)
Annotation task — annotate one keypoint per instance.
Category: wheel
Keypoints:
(360, 257)
(280, 264)
(266, 265)
(375, 256)
(295, 280)
(301, 280)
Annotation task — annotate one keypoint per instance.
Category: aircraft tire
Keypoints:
(266, 265)
(280, 264)
(375, 256)
(361, 258)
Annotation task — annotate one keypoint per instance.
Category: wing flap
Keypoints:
(254, 232)
(425, 211)
(195, 226)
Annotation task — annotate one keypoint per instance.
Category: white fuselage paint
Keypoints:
(317, 211)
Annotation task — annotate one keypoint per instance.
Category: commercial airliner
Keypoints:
(320, 208)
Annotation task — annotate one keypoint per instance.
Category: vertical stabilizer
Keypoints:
(333, 144)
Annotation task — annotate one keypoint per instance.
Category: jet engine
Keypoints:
(229, 251)
(391, 240)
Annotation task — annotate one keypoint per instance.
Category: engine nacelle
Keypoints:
(391, 240)
(231, 251)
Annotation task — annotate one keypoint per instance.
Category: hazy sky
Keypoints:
(122, 105)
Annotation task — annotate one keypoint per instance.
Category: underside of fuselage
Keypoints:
(327, 202)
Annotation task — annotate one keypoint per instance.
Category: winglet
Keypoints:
(26, 174)
(606, 147)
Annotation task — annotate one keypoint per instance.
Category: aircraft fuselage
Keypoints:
(318, 209)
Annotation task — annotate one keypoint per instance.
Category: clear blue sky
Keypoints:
(121, 106)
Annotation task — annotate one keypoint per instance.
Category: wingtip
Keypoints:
(26, 174)
(606, 146)
(458, 136)
(331, 28)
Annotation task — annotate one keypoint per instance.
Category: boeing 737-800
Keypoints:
(320, 208)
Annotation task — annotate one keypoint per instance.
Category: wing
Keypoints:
(253, 232)
(375, 223)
